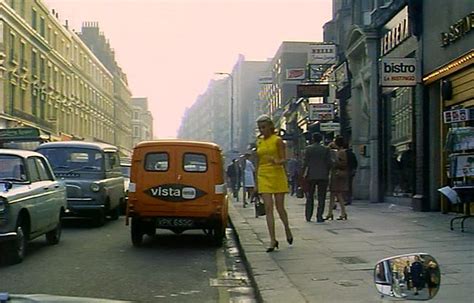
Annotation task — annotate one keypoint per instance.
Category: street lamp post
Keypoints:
(231, 145)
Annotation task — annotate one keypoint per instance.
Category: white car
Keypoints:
(32, 202)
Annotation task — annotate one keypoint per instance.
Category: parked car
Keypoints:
(32, 202)
(91, 171)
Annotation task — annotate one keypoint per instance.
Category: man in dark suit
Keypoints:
(316, 165)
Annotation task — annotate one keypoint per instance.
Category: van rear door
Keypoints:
(157, 171)
(196, 175)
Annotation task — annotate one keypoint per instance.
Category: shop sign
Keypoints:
(398, 72)
(295, 74)
(458, 115)
(19, 134)
(312, 90)
(316, 71)
(342, 76)
(321, 53)
(321, 111)
(330, 127)
(459, 29)
(395, 31)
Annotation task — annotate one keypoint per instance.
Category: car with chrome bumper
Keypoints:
(32, 202)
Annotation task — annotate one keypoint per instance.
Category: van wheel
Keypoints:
(218, 234)
(137, 232)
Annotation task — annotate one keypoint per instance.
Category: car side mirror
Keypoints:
(412, 276)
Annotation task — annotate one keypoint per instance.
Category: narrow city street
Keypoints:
(102, 263)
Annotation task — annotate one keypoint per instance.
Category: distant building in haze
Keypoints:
(142, 121)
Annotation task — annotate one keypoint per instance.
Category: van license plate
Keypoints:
(175, 222)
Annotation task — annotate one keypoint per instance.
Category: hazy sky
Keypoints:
(171, 49)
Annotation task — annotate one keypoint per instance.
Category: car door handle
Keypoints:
(45, 188)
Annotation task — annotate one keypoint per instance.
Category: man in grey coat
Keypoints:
(316, 166)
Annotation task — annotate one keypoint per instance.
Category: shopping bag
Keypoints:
(299, 192)
(259, 205)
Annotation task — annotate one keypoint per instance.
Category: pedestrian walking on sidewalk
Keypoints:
(339, 180)
(272, 182)
(249, 177)
(233, 175)
(316, 165)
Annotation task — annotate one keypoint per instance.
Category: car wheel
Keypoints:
(99, 218)
(18, 246)
(53, 237)
(137, 232)
(115, 213)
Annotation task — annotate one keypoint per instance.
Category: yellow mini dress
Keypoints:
(271, 177)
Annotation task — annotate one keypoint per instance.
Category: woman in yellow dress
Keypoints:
(272, 182)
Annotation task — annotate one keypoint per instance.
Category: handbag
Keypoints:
(259, 206)
(299, 192)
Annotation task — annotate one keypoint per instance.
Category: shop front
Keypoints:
(453, 86)
(448, 78)
(398, 80)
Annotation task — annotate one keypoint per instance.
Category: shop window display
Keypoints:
(400, 146)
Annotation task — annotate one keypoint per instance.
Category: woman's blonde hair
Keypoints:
(266, 118)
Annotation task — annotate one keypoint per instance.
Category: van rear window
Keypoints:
(194, 162)
(157, 162)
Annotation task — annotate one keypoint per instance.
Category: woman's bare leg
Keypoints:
(342, 203)
(280, 206)
(268, 201)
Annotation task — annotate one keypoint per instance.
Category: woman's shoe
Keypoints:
(270, 249)
(329, 217)
(289, 240)
(344, 217)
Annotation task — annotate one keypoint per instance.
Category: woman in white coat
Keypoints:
(249, 177)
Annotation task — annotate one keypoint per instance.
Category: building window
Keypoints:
(34, 19)
(12, 47)
(135, 115)
(42, 27)
(136, 131)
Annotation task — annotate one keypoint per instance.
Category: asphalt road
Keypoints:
(102, 263)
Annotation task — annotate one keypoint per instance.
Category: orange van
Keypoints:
(177, 185)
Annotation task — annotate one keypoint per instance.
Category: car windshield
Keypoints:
(12, 168)
(74, 159)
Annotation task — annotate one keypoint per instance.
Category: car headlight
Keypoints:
(3, 205)
(95, 187)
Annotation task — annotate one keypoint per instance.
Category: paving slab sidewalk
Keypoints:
(333, 261)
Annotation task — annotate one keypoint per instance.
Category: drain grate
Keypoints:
(228, 282)
(350, 260)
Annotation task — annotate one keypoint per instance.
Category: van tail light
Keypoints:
(219, 189)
